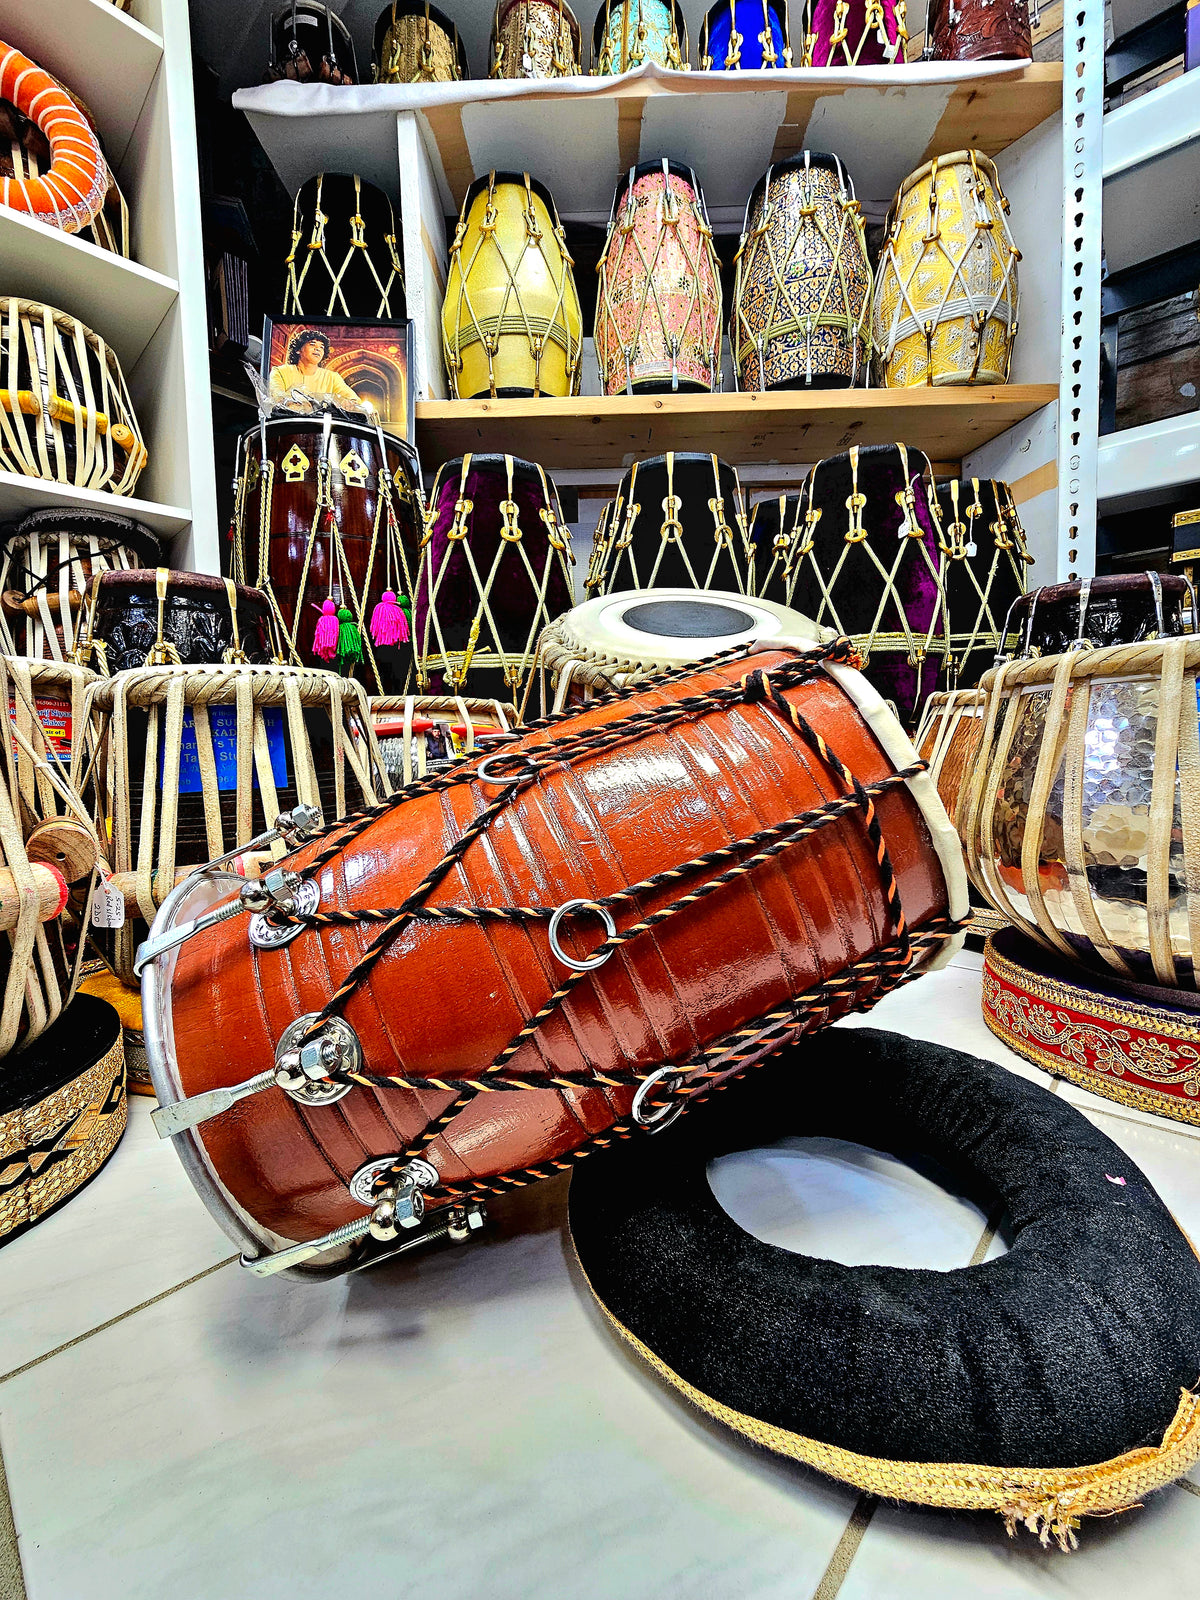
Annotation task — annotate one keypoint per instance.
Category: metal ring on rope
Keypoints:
(592, 962)
(503, 780)
(664, 1115)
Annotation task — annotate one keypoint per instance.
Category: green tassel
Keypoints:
(405, 605)
(349, 645)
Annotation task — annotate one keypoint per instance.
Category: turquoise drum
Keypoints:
(629, 33)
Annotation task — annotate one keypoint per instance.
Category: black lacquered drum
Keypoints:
(678, 521)
(310, 44)
(146, 618)
(775, 528)
(985, 564)
(1124, 609)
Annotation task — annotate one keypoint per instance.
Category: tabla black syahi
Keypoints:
(344, 258)
(678, 521)
(802, 295)
(495, 568)
(328, 518)
(47, 563)
(869, 565)
(658, 306)
(985, 564)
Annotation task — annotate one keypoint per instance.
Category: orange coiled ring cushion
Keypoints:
(71, 194)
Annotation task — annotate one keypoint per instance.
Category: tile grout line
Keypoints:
(846, 1549)
(111, 1323)
(12, 1578)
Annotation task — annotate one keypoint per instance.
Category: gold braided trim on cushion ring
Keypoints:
(1049, 1501)
(1149, 1020)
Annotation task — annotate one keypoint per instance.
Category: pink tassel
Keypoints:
(325, 640)
(389, 625)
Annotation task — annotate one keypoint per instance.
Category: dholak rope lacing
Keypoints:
(871, 977)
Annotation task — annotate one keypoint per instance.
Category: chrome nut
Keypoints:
(410, 1206)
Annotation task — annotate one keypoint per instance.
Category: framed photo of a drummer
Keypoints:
(355, 366)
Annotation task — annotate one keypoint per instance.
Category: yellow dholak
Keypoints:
(946, 288)
(511, 324)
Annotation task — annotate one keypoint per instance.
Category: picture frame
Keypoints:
(371, 358)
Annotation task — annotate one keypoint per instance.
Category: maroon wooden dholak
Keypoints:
(978, 30)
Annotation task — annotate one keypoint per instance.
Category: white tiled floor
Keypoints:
(464, 1425)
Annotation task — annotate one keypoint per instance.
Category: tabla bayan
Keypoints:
(534, 39)
(149, 617)
(416, 43)
(310, 44)
(344, 258)
(679, 521)
(775, 531)
(1120, 608)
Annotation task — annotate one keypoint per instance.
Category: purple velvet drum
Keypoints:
(867, 561)
(495, 568)
(854, 34)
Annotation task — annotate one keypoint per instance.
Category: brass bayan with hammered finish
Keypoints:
(1082, 820)
(534, 39)
(946, 292)
(802, 293)
(511, 323)
(417, 43)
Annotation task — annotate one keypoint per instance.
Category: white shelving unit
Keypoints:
(134, 71)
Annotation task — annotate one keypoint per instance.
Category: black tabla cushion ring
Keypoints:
(1051, 1382)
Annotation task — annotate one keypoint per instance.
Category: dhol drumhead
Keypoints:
(653, 630)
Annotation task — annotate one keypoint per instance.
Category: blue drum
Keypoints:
(745, 36)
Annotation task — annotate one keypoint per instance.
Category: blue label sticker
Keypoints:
(223, 722)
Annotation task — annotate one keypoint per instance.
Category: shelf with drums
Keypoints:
(788, 426)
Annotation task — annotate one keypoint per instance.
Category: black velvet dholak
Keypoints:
(1068, 1350)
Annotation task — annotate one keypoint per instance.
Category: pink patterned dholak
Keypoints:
(854, 33)
(658, 310)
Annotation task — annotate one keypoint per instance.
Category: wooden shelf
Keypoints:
(784, 427)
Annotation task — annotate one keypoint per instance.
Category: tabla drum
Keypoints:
(678, 521)
(495, 568)
(47, 563)
(345, 256)
(854, 33)
(65, 413)
(621, 639)
(1082, 826)
(978, 30)
(196, 762)
(62, 1113)
(534, 39)
(511, 323)
(946, 292)
(420, 735)
(745, 36)
(948, 739)
(417, 43)
(869, 565)
(148, 618)
(802, 291)
(321, 529)
(310, 44)
(658, 308)
(831, 895)
(628, 33)
(985, 563)
(1124, 608)
(775, 528)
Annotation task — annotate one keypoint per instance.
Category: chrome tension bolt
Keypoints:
(402, 1204)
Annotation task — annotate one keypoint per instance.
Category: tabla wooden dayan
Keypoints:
(417, 43)
(534, 39)
(628, 33)
(194, 762)
(495, 568)
(511, 323)
(422, 734)
(47, 563)
(310, 44)
(156, 617)
(832, 895)
(869, 565)
(985, 566)
(948, 739)
(617, 640)
(65, 413)
(854, 33)
(677, 520)
(946, 291)
(344, 258)
(328, 517)
(1082, 827)
(745, 36)
(658, 306)
(802, 295)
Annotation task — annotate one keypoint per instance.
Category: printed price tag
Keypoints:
(108, 904)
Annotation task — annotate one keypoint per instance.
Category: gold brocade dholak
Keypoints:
(534, 39)
(946, 288)
(417, 43)
(511, 323)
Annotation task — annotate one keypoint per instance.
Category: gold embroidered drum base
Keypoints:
(1142, 1052)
